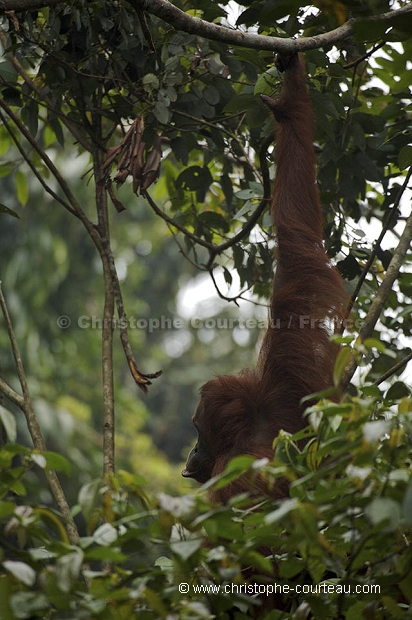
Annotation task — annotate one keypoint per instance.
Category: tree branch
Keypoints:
(382, 294)
(107, 330)
(11, 394)
(25, 404)
(141, 379)
(73, 206)
(169, 220)
(394, 369)
(378, 242)
(33, 168)
(193, 25)
(26, 5)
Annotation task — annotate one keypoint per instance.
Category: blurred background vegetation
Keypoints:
(50, 270)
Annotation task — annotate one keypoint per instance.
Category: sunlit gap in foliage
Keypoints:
(234, 10)
(199, 303)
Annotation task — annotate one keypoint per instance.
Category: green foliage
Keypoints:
(339, 547)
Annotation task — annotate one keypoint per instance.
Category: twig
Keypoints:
(73, 206)
(356, 62)
(169, 220)
(225, 297)
(142, 379)
(33, 168)
(394, 369)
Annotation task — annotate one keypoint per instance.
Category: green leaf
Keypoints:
(215, 65)
(247, 194)
(49, 136)
(105, 535)
(374, 431)
(16, 486)
(405, 157)
(197, 179)
(68, 569)
(14, 449)
(214, 220)
(22, 188)
(7, 70)
(397, 391)
(371, 169)
(32, 116)
(407, 504)
(5, 170)
(22, 571)
(29, 604)
(240, 103)
(228, 276)
(384, 509)
(258, 561)
(9, 423)
(56, 126)
(57, 462)
(161, 112)
(374, 343)
(266, 82)
(342, 360)
(211, 95)
(106, 555)
(4, 209)
(367, 30)
(277, 515)
(185, 548)
(87, 497)
(150, 82)
(349, 267)
(6, 509)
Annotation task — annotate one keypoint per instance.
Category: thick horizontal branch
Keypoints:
(193, 25)
(26, 5)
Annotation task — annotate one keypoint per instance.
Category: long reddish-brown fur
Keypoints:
(243, 414)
